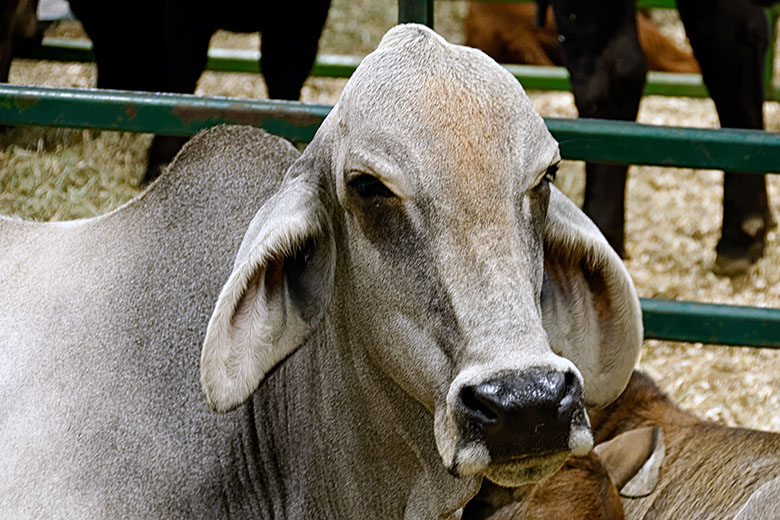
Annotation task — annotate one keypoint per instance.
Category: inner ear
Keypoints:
(302, 271)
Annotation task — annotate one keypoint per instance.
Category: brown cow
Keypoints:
(666, 462)
(508, 33)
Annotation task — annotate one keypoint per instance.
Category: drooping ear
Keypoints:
(633, 460)
(590, 309)
(277, 293)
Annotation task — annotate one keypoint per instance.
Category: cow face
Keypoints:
(423, 214)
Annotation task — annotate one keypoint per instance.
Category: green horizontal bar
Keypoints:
(622, 142)
(335, 66)
(675, 84)
(179, 114)
(656, 4)
(61, 49)
(539, 77)
(168, 114)
(234, 60)
(532, 77)
(222, 60)
(711, 323)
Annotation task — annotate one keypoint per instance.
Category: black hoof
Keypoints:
(731, 266)
(737, 252)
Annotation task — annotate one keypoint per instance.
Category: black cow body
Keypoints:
(161, 46)
(729, 39)
(18, 29)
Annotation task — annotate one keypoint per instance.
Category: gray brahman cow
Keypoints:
(413, 308)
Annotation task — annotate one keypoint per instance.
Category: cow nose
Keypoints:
(523, 413)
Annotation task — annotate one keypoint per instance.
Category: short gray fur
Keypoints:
(339, 369)
(101, 325)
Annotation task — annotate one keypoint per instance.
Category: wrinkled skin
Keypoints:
(607, 67)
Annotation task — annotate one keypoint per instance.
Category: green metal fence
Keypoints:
(620, 142)
(531, 76)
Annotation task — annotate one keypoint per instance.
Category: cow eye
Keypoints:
(551, 172)
(368, 186)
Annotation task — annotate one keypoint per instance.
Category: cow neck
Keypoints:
(337, 438)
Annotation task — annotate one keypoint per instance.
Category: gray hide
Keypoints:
(101, 325)
(412, 266)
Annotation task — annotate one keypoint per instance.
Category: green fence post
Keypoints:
(417, 11)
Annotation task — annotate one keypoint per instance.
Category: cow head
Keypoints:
(423, 214)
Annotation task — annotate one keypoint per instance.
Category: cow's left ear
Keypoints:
(277, 293)
(590, 309)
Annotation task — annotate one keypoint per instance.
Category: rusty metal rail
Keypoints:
(750, 151)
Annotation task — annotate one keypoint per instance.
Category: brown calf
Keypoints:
(507, 32)
(580, 490)
(665, 462)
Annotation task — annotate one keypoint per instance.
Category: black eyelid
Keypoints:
(551, 172)
(368, 186)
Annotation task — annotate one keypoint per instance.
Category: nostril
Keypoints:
(476, 405)
(570, 395)
(569, 379)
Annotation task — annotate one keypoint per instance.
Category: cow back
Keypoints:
(101, 323)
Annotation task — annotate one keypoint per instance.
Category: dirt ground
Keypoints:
(673, 215)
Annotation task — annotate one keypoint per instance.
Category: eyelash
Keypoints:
(551, 172)
(368, 186)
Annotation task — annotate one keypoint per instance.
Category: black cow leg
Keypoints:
(177, 65)
(167, 55)
(289, 46)
(730, 39)
(164, 148)
(605, 190)
(607, 69)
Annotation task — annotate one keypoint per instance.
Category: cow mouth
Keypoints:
(508, 471)
(525, 470)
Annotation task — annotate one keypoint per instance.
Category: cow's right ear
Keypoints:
(278, 291)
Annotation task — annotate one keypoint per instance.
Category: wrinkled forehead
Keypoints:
(448, 100)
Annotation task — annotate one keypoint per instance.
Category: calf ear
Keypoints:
(590, 309)
(277, 293)
(633, 460)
